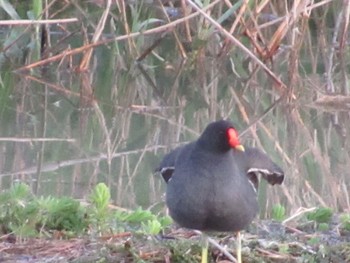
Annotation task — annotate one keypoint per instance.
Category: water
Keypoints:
(64, 130)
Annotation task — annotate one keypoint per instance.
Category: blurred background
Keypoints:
(99, 91)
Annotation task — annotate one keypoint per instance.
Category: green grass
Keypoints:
(27, 215)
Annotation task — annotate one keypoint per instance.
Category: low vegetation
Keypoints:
(95, 91)
(60, 227)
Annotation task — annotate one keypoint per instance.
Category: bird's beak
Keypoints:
(240, 148)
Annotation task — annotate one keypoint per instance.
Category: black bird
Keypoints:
(212, 182)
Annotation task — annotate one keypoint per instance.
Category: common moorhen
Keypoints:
(211, 182)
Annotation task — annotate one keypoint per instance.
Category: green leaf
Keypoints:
(152, 227)
(278, 212)
(19, 191)
(9, 9)
(138, 216)
(230, 12)
(323, 227)
(165, 221)
(345, 221)
(37, 8)
(61, 214)
(321, 215)
(100, 196)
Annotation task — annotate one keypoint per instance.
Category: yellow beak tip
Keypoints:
(240, 148)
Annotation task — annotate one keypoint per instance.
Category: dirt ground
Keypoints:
(265, 241)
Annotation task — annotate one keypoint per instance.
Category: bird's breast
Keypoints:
(211, 194)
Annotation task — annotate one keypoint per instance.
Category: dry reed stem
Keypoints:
(316, 195)
(254, 33)
(84, 64)
(66, 92)
(57, 88)
(103, 125)
(47, 8)
(317, 153)
(131, 43)
(119, 182)
(345, 29)
(336, 102)
(64, 7)
(318, 4)
(17, 139)
(345, 191)
(301, 211)
(177, 39)
(133, 174)
(275, 256)
(298, 8)
(330, 88)
(238, 19)
(280, 86)
(172, 122)
(240, 106)
(37, 22)
(86, 100)
(186, 12)
(127, 190)
(218, 246)
(4, 49)
(342, 47)
(234, 24)
(53, 166)
(167, 27)
(246, 119)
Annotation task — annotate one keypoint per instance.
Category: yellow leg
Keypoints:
(204, 248)
(239, 247)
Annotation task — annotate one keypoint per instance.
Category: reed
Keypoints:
(133, 74)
